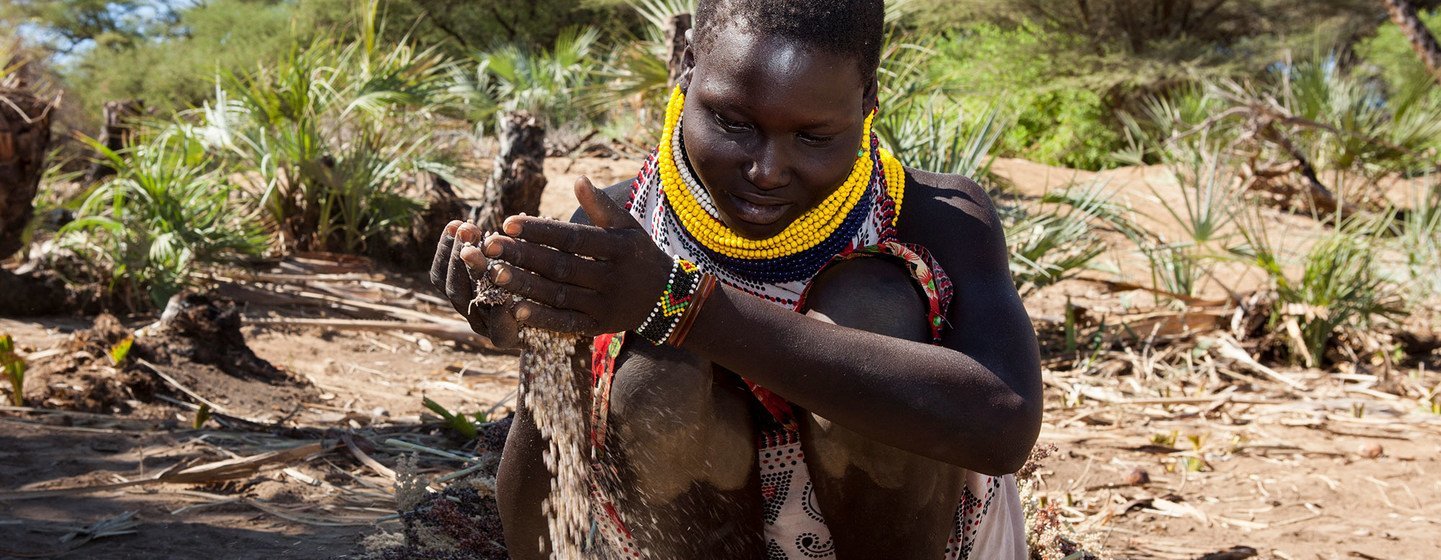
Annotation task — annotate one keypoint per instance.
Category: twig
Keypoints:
(456, 331)
(180, 387)
(180, 474)
(366, 460)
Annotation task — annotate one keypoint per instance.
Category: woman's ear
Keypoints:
(870, 98)
(687, 65)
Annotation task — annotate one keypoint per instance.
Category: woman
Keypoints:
(820, 354)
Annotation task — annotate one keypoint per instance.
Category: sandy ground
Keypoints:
(1288, 473)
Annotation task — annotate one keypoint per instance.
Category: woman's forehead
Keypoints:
(751, 71)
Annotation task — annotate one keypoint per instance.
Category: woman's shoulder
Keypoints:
(945, 210)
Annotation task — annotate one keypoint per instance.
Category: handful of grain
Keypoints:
(558, 406)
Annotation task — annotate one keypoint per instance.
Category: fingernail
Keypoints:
(491, 247)
(472, 256)
(522, 313)
(452, 226)
(502, 275)
(511, 226)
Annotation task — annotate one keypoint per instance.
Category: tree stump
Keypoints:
(117, 133)
(24, 139)
(518, 180)
(675, 36)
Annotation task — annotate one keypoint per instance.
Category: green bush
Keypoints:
(542, 81)
(327, 138)
(1059, 118)
(1341, 287)
(174, 66)
(169, 210)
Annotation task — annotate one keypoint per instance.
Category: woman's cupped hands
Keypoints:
(570, 277)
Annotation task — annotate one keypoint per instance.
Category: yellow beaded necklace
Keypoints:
(810, 229)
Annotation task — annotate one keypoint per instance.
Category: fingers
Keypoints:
(533, 314)
(459, 284)
(536, 288)
(572, 238)
(550, 263)
(441, 264)
(601, 209)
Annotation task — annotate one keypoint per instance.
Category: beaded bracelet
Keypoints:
(707, 286)
(678, 296)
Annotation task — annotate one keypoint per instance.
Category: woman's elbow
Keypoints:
(1013, 433)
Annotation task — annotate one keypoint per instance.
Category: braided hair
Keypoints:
(853, 28)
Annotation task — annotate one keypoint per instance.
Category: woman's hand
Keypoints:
(458, 263)
(579, 278)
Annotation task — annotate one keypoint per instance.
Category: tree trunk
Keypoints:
(675, 36)
(115, 135)
(24, 139)
(1422, 41)
(518, 180)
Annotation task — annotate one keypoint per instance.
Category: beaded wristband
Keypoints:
(679, 293)
(707, 286)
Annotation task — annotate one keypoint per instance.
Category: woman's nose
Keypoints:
(770, 168)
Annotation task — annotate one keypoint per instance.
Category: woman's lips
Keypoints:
(758, 213)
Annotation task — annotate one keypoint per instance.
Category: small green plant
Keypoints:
(1059, 238)
(14, 367)
(467, 426)
(202, 415)
(121, 350)
(1340, 286)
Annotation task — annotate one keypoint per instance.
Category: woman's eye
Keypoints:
(815, 140)
(729, 125)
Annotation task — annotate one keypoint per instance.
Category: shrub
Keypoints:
(169, 210)
(1057, 238)
(326, 138)
(543, 82)
(1059, 119)
(1340, 287)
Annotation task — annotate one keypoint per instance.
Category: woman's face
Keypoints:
(771, 127)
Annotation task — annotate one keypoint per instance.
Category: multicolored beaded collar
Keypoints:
(678, 212)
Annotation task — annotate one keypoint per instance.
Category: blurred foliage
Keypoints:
(1057, 121)
(1391, 53)
(1066, 68)
(1341, 120)
(180, 62)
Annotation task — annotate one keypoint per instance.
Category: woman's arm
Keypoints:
(974, 401)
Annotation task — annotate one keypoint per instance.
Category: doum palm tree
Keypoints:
(1422, 41)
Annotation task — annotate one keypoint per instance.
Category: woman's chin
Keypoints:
(755, 231)
(756, 221)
